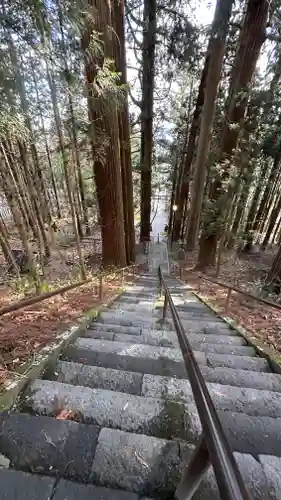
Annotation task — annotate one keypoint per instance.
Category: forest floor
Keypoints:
(24, 332)
(248, 273)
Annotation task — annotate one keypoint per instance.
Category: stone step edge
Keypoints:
(252, 402)
(128, 376)
(111, 469)
(271, 355)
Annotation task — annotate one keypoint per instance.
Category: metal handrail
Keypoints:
(213, 447)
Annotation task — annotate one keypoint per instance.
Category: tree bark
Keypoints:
(148, 58)
(104, 124)
(273, 218)
(252, 36)
(124, 133)
(215, 54)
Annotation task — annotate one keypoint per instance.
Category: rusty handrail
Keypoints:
(213, 447)
(234, 288)
(15, 306)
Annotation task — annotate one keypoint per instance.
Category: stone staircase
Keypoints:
(134, 421)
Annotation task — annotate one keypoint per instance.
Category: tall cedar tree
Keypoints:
(148, 64)
(124, 133)
(251, 39)
(104, 126)
(215, 55)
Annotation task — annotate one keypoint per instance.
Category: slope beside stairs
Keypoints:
(135, 423)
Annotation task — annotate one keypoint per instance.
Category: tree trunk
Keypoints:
(148, 58)
(9, 191)
(73, 128)
(58, 209)
(173, 194)
(255, 201)
(66, 171)
(124, 133)
(6, 249)
(251, 39)
(104, 124)
(215, 53)
(275, 271)
(195, 124)
(183, 178)
(178, 214)
(273, 218)
(266, 194)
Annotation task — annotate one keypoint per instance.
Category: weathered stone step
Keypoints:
(242, 378)
(68, 490)
(109, 327)
(130, 382)
(250, 401)
(133, 357)
(170, 340)
(253, 402)
(238, 362)
(98, 377)
(160, 417)
(138, 473)
(17, 485)
(152, 359)
(215, 327)
(150, 416)
(151, 467)
(167, 338)
(126, 319)
(46, 445)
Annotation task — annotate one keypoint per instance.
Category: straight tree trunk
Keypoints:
(252, 36)
(216, 52)
(193, 133)
(124, 133)
(6, 249)
(255, 201)
(9, 191)
(273, 218)
(266, 194)
(104, 124)
(173, 194)
(73, 128)
(58, 209)
(148, 59)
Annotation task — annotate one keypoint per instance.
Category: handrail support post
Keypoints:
(101, 288)
(194, 471)
(165, 306)
(228, 299)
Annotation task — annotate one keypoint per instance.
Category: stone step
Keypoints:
(152, 359)
(49, 446)
(238, 362)
(130, 382)
(133, 357)
(150, 416)
(98, 377)
(68, 490)
(166, 338)
(171, 340)
(126, 319)
(138, 469)
(242, 378)
(136, 473)
(254, 402)
(207, 328)
(250, 401)
(16, 485)
(108, 327)
(158, 417)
